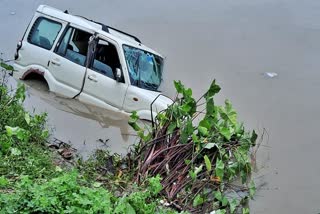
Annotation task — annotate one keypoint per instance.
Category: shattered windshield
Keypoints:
(145, 69)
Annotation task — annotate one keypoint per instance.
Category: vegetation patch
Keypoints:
(195, 159)
(199, 162)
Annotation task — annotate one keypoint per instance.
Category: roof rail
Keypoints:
(106, 29)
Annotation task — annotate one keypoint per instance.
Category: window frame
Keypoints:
(68, 26)
(118, 53)
(36, 22)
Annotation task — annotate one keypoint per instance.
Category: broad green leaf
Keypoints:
(133, 121)
(179, 87)
(3, 182)
(203, 130)
(198, 169)
(218, 195)
(195, 138)
(15, 152)
(185, 108)
(11, 130)
(214, 89)
(210, 107)
(45, 133)
(221, 211)
(233, 205)
(206, 123)
(187, 131)
(210, 145)
(225, 132)
(27, 118)
(58, 169)
(254, 137)
(97, 184)
(245, 211)
(6, 66)
(224, 201)
(207, 162)
(187, 92)
(192, 175)
(171, 127)
(198, 200)
(252, 189)
(20, 92)
(219, 171)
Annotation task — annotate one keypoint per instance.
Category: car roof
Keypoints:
(119, 36)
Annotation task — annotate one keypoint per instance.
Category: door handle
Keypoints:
(54, 62)
(92, 78)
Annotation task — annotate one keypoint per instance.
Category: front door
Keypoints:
(101, 87)
(67, 63)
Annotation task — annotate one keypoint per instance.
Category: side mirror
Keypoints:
(118, 74)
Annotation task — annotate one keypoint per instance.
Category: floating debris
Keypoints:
(270, 74)
(13, 13)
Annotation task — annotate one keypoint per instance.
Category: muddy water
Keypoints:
(234, 42)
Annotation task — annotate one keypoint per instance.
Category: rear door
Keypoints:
(101, 87)
(38, 43)
(67, 63)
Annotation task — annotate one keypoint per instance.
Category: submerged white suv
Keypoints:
(92, 62)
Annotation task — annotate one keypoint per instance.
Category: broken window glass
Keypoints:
(145, 69)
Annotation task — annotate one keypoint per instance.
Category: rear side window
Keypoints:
(44, 32)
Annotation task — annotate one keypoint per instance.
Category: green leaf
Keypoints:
(245, 211)
(187, 131)
(6, 66)
(15, 152)
(97, 184)
(198, 169)
(207, 162)
(3, 182)
(225, 132)
(218, 195)
(11, 130)
(224, 201)
(219, 171)
(210, 145)
(221, 211)
(179, 87)
(214, 89)
(252, 189)
(203, 130)
(171, 127)
(185, 108)
(210, 107)
(228, 113)
(27, 118)
(254, 137)
(133, 121)
(233, 205)
(20, 92)
(192, 175)
(187, 92)
(206, 123)
(198, 200)
(58, 169)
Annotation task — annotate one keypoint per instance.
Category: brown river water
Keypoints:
(233, 41)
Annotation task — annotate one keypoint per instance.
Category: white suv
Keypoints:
(92, 62)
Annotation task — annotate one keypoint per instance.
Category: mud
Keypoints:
(235, 42)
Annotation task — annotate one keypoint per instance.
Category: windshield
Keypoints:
(145, 69)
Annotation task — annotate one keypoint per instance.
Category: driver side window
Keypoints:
(106, 59)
